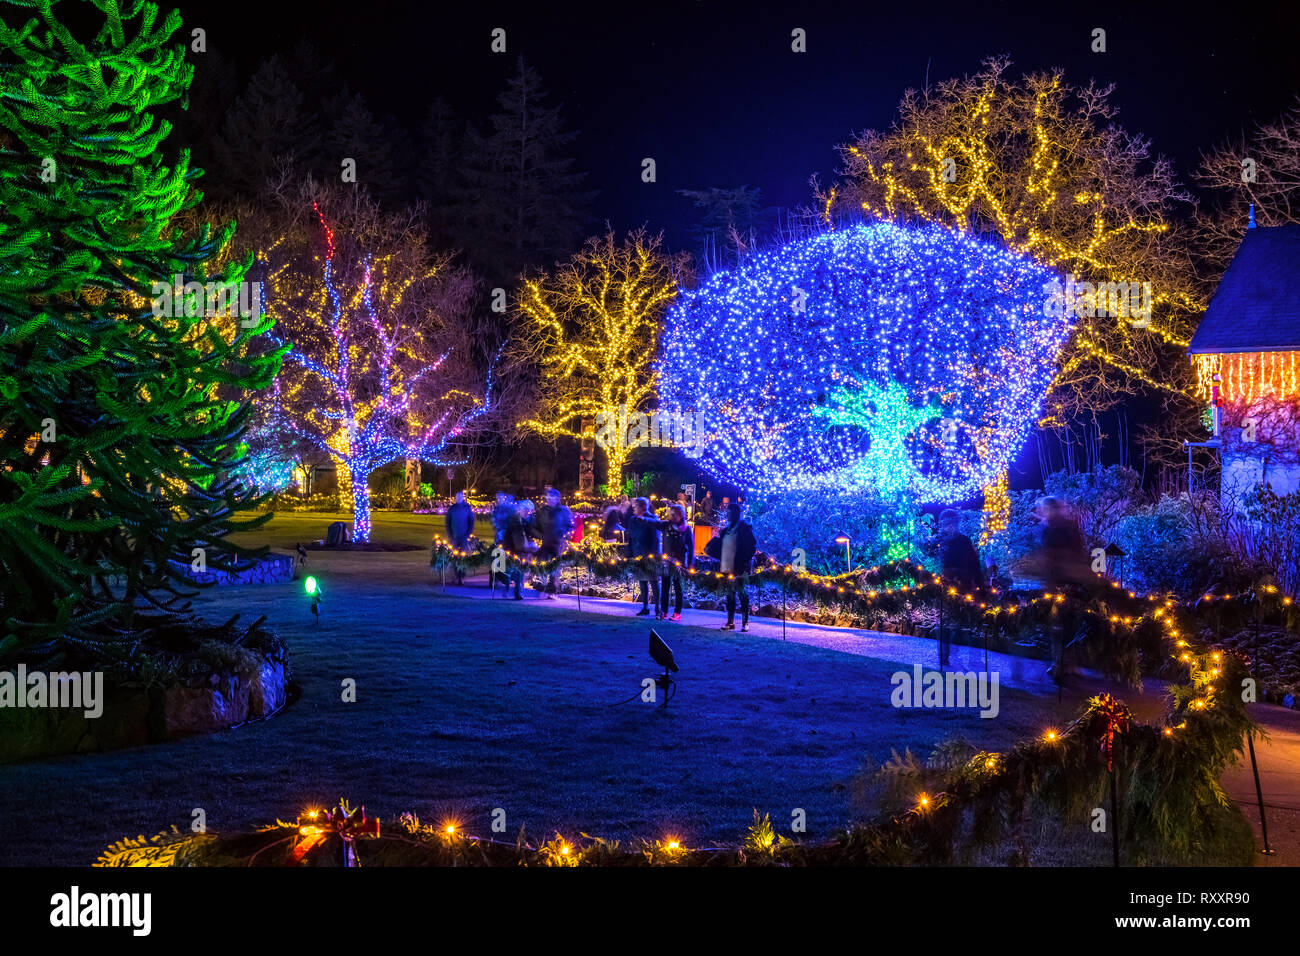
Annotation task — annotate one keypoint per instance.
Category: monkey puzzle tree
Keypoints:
(117, 439)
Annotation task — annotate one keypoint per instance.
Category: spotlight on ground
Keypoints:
(663, 656)
(313, 592)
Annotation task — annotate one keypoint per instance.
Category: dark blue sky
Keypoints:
(712, 91)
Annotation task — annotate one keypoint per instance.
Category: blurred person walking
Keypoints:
(459, 524)
(552, 526)
(518, 541)
(1063, 560)
(501, 515)
(960, 567)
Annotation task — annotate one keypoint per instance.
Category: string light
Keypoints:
(946, 161)
(1245, 377)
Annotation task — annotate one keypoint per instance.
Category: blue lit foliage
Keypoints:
(904, 360)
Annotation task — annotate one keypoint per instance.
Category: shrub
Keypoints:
(784, 521)
(1099, 498)
(1269, 537)
(1022, 535)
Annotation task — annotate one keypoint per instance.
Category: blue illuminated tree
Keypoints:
(873, 357)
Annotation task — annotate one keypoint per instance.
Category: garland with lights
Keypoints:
(1125, 620)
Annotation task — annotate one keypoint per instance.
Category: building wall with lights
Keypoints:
(1247, 355)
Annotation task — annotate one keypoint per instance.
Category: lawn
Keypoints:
(463, 706)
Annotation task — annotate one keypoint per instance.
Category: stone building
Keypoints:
(1247, 353)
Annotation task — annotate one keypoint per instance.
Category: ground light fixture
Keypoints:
(845, 540)
(313, 592)
(1115, 555)
(663, 656)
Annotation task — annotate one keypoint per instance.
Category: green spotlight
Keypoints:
(313, 589)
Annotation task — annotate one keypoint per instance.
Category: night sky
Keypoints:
(712, 91)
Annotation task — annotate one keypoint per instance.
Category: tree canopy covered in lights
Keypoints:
(1045, 167)
(593, 328)
(901, 360)
(380, 369)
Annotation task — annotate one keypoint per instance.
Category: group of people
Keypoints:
(734, 548)
(544, 533)
(520, 527)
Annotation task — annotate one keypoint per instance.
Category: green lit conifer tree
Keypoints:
(119, 427)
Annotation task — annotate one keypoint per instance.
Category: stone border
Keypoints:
(272, 569)
(135, 716)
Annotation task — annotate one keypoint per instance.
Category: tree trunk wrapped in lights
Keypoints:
(380, 367)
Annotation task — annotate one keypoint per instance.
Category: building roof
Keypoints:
(1257, 305)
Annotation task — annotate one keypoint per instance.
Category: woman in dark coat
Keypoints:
(679, 547)
(460, 526)
(518, 540)
(501, 514)
(613, 525)
(643, 530)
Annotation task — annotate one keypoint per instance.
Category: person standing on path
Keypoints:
(960, 568)
(501, 516)
(643, 530)
(518, 541)
(736, 560)
(460, 525)
(552, 526)
(679, 551)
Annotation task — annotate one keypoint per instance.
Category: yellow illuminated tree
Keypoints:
(1043, 165)
(592, 330)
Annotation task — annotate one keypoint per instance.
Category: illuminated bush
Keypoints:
(908, 360)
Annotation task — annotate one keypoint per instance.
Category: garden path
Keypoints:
(1278, 756)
